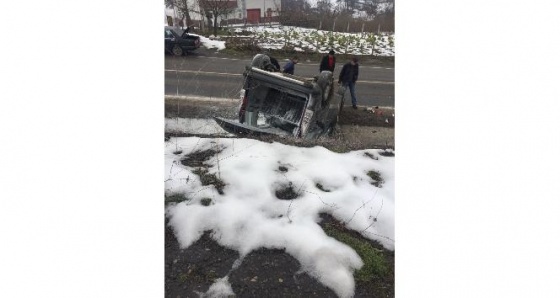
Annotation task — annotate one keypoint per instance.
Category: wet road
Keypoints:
(207, 75)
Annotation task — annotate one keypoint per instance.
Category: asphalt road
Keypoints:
(205, 74)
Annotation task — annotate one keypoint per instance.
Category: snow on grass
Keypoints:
(194, 126)
(305, 39)
(212, 44)
(249, 215)
(312, 40)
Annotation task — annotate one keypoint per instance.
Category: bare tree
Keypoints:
(349, 5)
(326, 11)
(376, 7)
(294, 12)
(213, 9)
(184, 8)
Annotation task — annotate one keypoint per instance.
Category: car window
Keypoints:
(168, 34)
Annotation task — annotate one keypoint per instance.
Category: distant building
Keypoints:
(244, 11)
(261, 11)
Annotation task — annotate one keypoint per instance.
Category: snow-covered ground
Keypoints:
(194, 126)
(248, 215)
(212, 44)
(312, 40)
(304, 39)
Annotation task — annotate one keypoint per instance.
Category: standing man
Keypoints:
(328, 61)
(348, 77)
(290, 66)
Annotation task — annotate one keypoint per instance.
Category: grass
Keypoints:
(196, 275)
(183, 277)
(175, 198)
(309, 42)
(374, 261)
(197, 159)
(206, 202)
(286, 193)
(386, 153)
(320, 186)
(210, 179)
(340, 42)
(370, 155)
(376, 177)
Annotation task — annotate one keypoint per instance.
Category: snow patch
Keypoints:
(194, 126)
(249, 216)
(220, 288)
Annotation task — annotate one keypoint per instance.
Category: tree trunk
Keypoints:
(189, 20)
(209, 19)
(215, 25)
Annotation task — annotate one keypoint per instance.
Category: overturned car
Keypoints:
(282, 104)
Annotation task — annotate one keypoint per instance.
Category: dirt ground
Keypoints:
(263, 273)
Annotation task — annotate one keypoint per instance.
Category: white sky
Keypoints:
(249, 216)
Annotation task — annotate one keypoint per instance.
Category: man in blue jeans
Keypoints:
(348, 77)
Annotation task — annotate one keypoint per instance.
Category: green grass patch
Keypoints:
(183, 277)
(206, 202)
(320, 186)
(210, 179)
(286, 193)
(386, 153)
(374, 262)
(175, 198)
(370, 156)
(376, 177)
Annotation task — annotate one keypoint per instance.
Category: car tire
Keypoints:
(177, 51)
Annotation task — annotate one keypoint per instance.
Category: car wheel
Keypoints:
(176, 50)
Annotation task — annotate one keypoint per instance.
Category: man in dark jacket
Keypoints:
(290, 66)
(265, 62)
(348, 77)
(275, 63)
(328, 61)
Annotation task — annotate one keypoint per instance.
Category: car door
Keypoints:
(170, 39)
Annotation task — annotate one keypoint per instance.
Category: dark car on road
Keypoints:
(179, 43)
(283, 104)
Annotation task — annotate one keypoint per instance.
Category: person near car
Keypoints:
(262, 61)
(265, 62)
(291, 65)
(348, 77)
(275, 63)
(328, 62)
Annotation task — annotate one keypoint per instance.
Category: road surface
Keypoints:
(205, 75)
